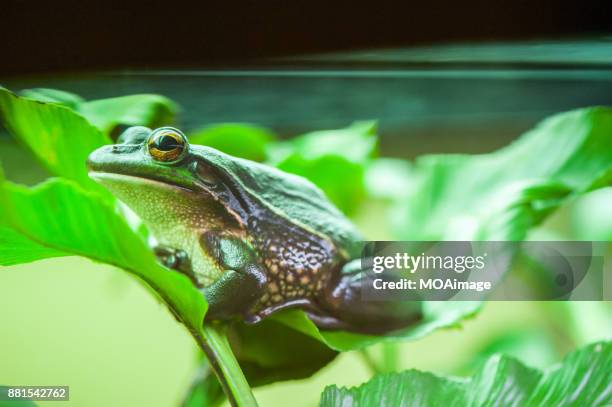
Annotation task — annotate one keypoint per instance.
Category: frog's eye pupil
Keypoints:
(166, 145)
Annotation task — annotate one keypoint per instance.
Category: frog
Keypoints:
(253, 239)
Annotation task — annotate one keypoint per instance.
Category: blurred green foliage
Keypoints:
(335, 160)
(591, 217)
(501, 195)
(530, 345)
(107, 114)
(205, 389)
(240, 140)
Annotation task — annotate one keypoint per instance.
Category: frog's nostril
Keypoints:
(123, 148)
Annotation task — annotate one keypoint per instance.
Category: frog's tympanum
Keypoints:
(252, 238)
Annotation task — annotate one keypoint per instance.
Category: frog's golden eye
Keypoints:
(167, 144)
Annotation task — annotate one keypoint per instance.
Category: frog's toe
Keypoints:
(174, 259)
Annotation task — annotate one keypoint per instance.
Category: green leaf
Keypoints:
(21, 402)
(16, 248)
(582, 379)
(270, 351)
(106, 114)
(240, 140)
(58, 136)
(389, 178)
(534, 346)
(436, 315)
(60, 216)
(205, 389)
(267, 352)
(54, 96)
(501, 195)
(132, 110)
(334, 160)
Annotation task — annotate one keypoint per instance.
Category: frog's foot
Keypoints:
(349, 311)
(174, 259)
(234, 293)
(242, 282)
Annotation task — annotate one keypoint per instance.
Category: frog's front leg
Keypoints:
(349, 311)
(241, 284)
(175, 259)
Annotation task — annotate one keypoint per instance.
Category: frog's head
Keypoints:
(170, 183)
(164, 180)
(161, 155)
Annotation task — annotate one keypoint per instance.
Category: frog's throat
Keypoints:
(116, 182)
(148, 198)
(165, 206)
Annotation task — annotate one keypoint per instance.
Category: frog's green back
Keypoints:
(294, 196)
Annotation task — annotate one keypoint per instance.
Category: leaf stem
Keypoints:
(369, 361)
(213, 342)
(388, 361)
(390, 357)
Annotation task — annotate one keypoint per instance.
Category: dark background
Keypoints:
(64, 36)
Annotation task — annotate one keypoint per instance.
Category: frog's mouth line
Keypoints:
(102, 177)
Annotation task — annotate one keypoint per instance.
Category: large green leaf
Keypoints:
(16, 248)
(61, 218)
(583, 378)
(106, 114)
(47, 95)
(499, 196)
(237, 139)
(58, 136)
(334, 160)
(132, 110)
